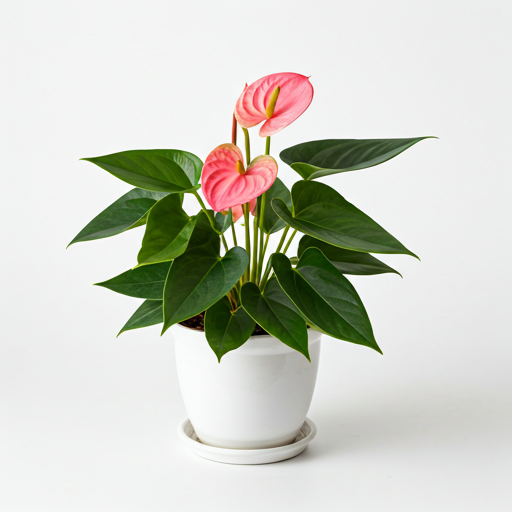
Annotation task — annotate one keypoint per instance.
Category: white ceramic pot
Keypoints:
(256, 397)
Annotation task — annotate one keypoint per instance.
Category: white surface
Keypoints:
(257, 397)
(87, 421)
(244, 456)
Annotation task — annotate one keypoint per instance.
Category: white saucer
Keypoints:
(231, 456)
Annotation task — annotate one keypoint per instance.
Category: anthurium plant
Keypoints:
(192, 269)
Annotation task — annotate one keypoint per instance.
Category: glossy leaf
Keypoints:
(204, 240)
(129, 211)
(323, 157)
(319, 211)
(168, 232)
(347, 262)
(226, 330)
(197, 280)
(224, 220)
(145, 282)
(271, 222)
(149, 313)
(164, 170)
(325, 297)
(274, 311)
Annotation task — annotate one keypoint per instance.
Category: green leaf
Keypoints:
(204, 239)
(197, 280)
(149, 313)
(325, 297)
(226, 330)
(164, 170)
(347, 262)
(323, 157)
(129, 211)
(319, 211)
(271, 222)
(274, 311)
(167, 233)
(145, 282)
(224, 220)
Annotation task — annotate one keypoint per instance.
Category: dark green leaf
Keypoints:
(347, 262)
(167, 233)
(224, 220)
(149, 313)
(319, 211)
(274, 311)
(226, 330)
(145, 282)
(204, 239)
(164, 170)
(197, 280)
(271, 222)
(325, 297)
(323, 157)
(128, 212)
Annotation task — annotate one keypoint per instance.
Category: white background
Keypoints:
(88, 421)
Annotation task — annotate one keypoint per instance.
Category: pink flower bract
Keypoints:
(226, 183)
(238, 212)
(295, 96)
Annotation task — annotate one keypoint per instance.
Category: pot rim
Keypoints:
(255, 345)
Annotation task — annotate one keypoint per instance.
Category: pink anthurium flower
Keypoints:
(277, 99)
(226, 183)
(238, 212)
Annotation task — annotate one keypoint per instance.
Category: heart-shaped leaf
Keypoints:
(164, 170)
(325, 297)
(319, 211)
(224, 220)
(129, 211)
(204, 239)
(197, 280)
(271, 222)
(323, 157)
(347, 262)
(226, 330)
(274, 311)
(149, 313)
(145, 282)
(168, 232)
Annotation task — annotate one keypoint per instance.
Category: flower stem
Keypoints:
(269, 267)
(233, 131)
(210, 218)
(247, 146)
(289, 241)
(254, 250)
(247, 240)
(267, 146)
(262, 255)
(233, 231)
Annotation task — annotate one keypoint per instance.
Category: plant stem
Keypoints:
(210, 218)
(269, 267)
(261, 217)
(254, 250)
(247, 240)
(262, 255)
(233, 131)
(289, 241)
(233, 231)
(247, 146)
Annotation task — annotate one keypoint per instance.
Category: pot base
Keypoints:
(232, 456)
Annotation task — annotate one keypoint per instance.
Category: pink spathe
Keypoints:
(225, 187)
(294, 97)
(238, 212)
